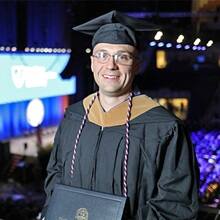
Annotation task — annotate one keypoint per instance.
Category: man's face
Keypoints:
(113, 77)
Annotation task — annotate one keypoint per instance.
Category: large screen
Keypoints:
(25, 76)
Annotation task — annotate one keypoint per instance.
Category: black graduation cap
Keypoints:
(116, 28)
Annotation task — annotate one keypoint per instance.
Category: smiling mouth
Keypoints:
(110, 76)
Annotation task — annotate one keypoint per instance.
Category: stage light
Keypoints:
(158, 35)
(35, 112)
(178, 46)
(180, 39)
(200, 59)
(32, 49)
(13, 49)
(152, 43)
(209, 44)
(197, 41)
(68, 50)
(203, 48)
(88, 50)
(46, 50)
(161, 59)
(194, 47)
(168, 45)
(187, 47)
(161, 44)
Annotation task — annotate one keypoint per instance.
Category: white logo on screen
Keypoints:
(31, 76)
(17, 77)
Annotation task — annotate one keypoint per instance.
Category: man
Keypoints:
(120, 142)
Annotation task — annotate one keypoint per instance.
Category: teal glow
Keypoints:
(24, 76)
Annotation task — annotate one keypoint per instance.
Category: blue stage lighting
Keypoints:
(178, 46)
(161, 44)
(187, 47)
(152, 43)
(168, 45)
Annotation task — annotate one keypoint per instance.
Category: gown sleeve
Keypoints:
(175, 194)
(54, 169)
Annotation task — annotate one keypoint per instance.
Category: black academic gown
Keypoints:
(162, 180)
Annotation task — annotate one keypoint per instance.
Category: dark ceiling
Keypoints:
(173, 16)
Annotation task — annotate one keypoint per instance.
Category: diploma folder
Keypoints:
(71, 203)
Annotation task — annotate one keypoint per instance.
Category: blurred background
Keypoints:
(44, 67)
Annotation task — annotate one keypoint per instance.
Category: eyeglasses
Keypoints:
(123, 58)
